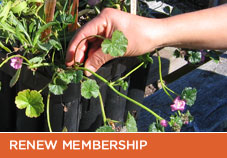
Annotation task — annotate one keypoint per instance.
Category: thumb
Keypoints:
(95, 60)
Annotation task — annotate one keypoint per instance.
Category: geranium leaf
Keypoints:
(58, 87)
(116, 46)
(77, 77)
(131, 123)
(105, 129)
(32, 101)
(66, 76)
(70, 76)
(89, 89)
(194, 57)
(189, 94)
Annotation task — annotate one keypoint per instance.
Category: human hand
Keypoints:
(139, 40)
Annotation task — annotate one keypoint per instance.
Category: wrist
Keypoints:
(158, 34)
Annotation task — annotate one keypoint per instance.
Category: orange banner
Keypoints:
(115, 145)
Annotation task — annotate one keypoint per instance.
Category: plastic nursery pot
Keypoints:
(70, 110)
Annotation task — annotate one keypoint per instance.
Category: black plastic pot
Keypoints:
(70, 110)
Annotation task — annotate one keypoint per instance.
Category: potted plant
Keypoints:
(34, 36)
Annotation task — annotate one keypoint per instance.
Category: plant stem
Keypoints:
(119, 93)
(133, 70)
(137, 103)
(179, 113)
(6, 60)
(53, 57)
(171, 90)
(97, 10)
(48, 112)
(39, 65)
(160, 75)
(93, 73)
(41, 90)
(102, 109)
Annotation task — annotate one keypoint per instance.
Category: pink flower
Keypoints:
(164, 123)
(16, 62)
(178, 104)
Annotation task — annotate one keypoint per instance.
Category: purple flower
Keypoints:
(93, 2)
(164, 123)
(178, 104)
(16, 62)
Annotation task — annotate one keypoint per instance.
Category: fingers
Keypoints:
(96, 26)
(72, 57)
(96, 58)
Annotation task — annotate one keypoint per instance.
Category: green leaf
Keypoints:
(65, 129)
(189, 94)
(15, 78)
(32, 26)
(70, 76)
(5, 48)
(66, 76)
(20, 28)
(36, 60)
(78, 76)
(154, 127)
(124, 85)
(194, 57)
(146, 59)
(176, 123)
(176, 53)
(69, 19)
(131, 123)
(5, 11)
(19, 7)
(45, 46)
(32, 101)
(56, 44)
(21, 36)
(105, 129)
(89, 88)
(35, 1)
(116, 46)
(43, 28)
(57, 87)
